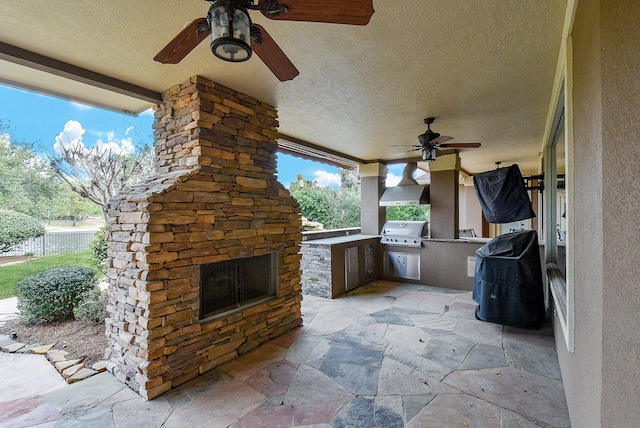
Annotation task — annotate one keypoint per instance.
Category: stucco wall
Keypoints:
(444, 205)
(620, 43)
(470, 210)
(602, 376)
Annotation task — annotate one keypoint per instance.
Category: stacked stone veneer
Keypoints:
(316, 269)
(215, 198)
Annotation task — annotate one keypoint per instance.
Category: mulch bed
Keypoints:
(79, 339)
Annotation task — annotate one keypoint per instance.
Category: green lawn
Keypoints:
(10, 275)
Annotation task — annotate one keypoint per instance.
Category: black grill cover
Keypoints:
(508, 281)
(503, 195)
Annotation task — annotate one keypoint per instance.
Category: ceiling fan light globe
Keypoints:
(230, 32)
(230, 49)
(429, 155)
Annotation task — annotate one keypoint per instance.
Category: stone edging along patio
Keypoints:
(72, 370)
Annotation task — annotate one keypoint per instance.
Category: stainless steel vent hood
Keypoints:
(405, 195)
(407, 192)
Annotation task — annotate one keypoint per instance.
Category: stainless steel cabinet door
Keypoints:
(351, 274)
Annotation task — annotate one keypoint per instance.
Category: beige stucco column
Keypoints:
(470, 210)
(372, 185)
(444, 193)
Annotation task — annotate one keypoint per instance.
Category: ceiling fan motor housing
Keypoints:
(427, 137)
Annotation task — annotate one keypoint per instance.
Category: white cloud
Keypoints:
(73, 132)
(70, 135)
(326, 178)
(115, 146)
(392, 179)
(147, 112)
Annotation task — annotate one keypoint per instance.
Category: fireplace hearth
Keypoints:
(203, 258)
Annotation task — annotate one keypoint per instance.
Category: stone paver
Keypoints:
(25, 375)
(219, 407)
(535, 359)
(538, 398)
(457, 410)
(8, 310)
(387, 354)
(13, 347)
(43, 349)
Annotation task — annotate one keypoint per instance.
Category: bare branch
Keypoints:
(98, 174)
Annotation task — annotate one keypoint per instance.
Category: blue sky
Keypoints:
(43, 120)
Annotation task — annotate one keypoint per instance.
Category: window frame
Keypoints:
(561, 284)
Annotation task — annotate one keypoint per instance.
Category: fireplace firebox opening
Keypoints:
(236, 284)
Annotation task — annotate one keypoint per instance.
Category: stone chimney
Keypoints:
(215, 198)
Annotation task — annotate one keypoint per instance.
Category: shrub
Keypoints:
(15, 228)
(99, 250)
(92, 307)
(53, 294)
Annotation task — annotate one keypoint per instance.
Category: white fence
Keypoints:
(54, 243)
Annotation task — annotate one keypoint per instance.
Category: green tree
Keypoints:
(350, 179)
(409, 212)
(27, 184)
(334, 208)
(314, 201)
(68, 204)
(15, 228)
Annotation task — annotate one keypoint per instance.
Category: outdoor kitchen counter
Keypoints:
(446, 263)
(459, 240)
(335, 240)
(332, 266)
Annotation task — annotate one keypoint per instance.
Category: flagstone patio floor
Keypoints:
(386, 355)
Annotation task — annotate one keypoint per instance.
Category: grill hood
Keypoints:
(407, 192)
(414, 194)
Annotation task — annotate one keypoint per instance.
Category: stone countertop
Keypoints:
(340, 239)
(358, 237)
(459, 240)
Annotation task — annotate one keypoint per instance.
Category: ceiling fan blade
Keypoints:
(183, 43)
(354, 12)
(273, 57)
(405, 152)
(441, 139)
(460, 145)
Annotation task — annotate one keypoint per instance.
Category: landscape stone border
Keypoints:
(72, 370)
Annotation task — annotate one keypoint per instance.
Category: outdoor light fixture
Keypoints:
(230, 31)
(429, 154)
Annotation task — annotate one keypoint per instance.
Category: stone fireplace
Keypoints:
(231, 284)
(184, 246)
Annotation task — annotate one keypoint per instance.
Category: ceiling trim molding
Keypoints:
(58, 68)
(306, 150)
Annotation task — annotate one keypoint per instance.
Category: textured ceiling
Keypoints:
(484, 69)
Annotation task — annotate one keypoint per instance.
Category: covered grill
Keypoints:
(405, 233)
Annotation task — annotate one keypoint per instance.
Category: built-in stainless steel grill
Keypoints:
(405, 233)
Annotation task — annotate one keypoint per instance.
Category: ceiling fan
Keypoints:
(431, 142)
(234, 36)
